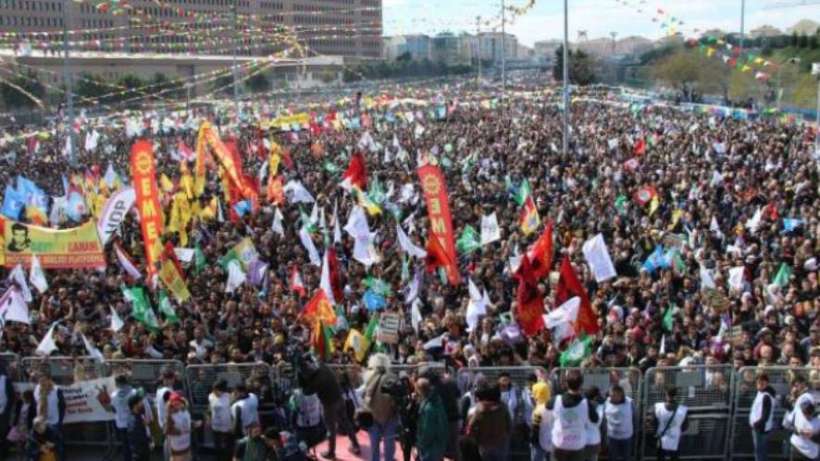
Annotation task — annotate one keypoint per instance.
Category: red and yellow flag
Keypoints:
(438, 210)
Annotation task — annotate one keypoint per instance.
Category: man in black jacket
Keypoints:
(138, 436)
(6, 409)
(319, 379)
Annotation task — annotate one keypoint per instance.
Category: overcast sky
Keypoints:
(597, 17)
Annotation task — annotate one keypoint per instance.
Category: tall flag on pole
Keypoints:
(441, 224)
(568, 287)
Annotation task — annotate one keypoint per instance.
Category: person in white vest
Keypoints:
(619, 413)
(307, 417)
(593, 429)
(161, 399)
(805, 427)
(178, 428)
(122, 412)
(50, 404)
(244, 410)
(541, 433)
(761, 417)
(571, 414)
(219, 411)
(670, 423)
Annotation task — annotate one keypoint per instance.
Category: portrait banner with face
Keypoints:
(75, 248)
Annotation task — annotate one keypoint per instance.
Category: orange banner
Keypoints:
(144, 176)
(434, 189)
(199, 167)
(208, 137)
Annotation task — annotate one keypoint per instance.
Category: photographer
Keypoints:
(317, 378)
(404, 395)
(381, 406)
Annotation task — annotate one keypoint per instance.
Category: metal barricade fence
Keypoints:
(11, 363)
(146, 374)
(65, 371)
(256, 376)
(707, 393)
(744, 393)
(521, 377)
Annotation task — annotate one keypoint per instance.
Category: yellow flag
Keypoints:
(358, 343)
(165, 183)
(186, 183)
(653, 205)
(676, 217)
(173, 280)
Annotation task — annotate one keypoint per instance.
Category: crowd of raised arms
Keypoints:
(707, 255)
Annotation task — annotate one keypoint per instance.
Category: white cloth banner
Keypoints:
(597, 256)
(113, 213)
(490, 232)
(408, 246)
(736, 278)
(83, 401)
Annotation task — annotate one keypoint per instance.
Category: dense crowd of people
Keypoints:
(726, 193)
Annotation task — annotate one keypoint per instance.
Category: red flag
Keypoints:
(434, 188)
(287, 158)
(356, 173)
(186, 152)
(169, 254)
(529, 311)
(568, 287)
(640, 147)
(335, 274)
(296, 284)
(276, 192)
(771, 210)
(319, 309)
(437, 256)
(645, 194)
(540, 254)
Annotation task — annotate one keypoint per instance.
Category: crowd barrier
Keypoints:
(718, 397)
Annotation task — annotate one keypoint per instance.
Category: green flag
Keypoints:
(378, 285)
(469, 240)
(229, 256)
(579, 350)
(166, 308)
(199, 260)
(140, 307)
(620, 204)
(376, 192)
(523, 192)
(783, 275)
(669, 318)
(306, 221)
(370, 331)
(330, 167)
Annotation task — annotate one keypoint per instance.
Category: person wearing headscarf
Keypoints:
(540, 435)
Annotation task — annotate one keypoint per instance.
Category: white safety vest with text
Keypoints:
(671, 438)
(569, 427)
(757, 411)
(619, 417)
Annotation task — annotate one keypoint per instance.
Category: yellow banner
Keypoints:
(76, 248)
(302, 118)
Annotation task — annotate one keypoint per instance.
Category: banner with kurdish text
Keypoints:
(144, 177)
(86, 401)
(75, 248)
(434, 189)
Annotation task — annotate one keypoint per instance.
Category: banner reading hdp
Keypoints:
(75, 248)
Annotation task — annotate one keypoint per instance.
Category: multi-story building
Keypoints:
(494, 45)
(350, 28)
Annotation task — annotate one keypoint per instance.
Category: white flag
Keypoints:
(185, 255)
(477, 305)
(92, 350)
(36, 275)
(116, 321)
(408, 246)
(47, 345)
(415, 315)
(564, 314)
(307, 242)
(19, 278)
(753, 223)
(337, 230)
(236, 276)
(296, 193)
(597, 256)
(324, 281)
(706, 280)
(13, 307)
(126, 263)
(736, 278)
(365, 252)
(277, 222)
(490, 232)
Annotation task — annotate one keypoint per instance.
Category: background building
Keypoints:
(211, 27)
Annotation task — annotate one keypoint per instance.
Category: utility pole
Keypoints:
(478, 39)
(68, 81)
(235, 68)
(815, 70)
(742, 22)
(503, 49)
(565, 143)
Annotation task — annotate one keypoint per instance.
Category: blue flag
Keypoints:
(374, 301)
(790, 224)
(13, 203)
(657, 260)
(242, 208)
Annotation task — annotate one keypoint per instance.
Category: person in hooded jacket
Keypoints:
(490, 425)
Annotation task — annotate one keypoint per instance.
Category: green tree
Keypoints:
(804, 41)
(28, 82)
(406, 56)
(258, 83)
(690, 72)
(581, 67)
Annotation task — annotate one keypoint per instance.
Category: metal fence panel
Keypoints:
(257, 376)
(744, 392)
(706, 391)
(521, 377)
(145, 374)
(630, 379)
(65, 371)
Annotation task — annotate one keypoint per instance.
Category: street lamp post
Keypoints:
(478, 39)
(235, 69)
(68, 81)
(503, 49)
(565, 141)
